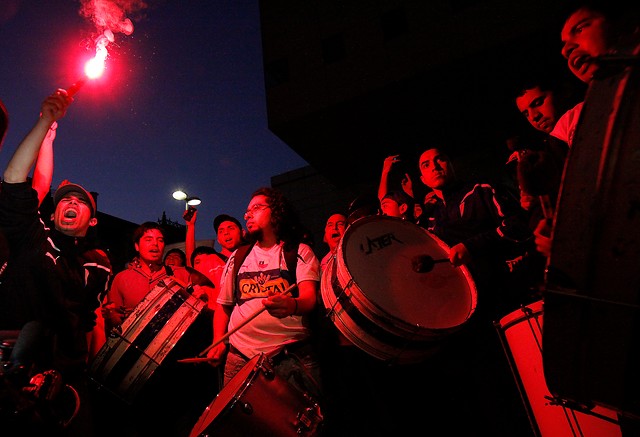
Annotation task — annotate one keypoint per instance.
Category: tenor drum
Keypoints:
(382, 303)
(256, 401)
(168, 320)
(521, 335)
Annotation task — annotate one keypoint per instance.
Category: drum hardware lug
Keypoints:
(269, 373)
(116, 332)
(247, 408)
(306, 419)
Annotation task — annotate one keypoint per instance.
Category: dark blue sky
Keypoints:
(181, 104)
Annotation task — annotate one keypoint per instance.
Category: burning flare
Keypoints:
(94, 67)
(109, 16)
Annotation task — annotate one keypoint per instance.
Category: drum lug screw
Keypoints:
(247, 408)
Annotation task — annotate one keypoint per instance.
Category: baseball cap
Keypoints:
(67, 187)
(224, 218)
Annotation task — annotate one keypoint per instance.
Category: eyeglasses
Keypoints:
(255, 208)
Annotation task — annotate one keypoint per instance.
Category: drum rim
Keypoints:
(373, 307)
(513, 318)
(413, 351)
(254, 365)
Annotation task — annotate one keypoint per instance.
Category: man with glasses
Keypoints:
(262, 280)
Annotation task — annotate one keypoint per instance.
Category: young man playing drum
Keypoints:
(265, 304)
(484, 228)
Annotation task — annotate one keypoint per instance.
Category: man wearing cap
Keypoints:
(55, 276)
(230, 236)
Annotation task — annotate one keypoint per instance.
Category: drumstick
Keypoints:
(425, 263)
(229, 333)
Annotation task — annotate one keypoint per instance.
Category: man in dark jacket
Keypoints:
(484, 228)
(53, 281)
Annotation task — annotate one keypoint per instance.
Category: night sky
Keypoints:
(181, 104)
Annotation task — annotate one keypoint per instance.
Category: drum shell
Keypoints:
(169, 323)
(381, 304)
(256, 401)
(521, 336)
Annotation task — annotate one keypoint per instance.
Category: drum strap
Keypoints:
(187, 287)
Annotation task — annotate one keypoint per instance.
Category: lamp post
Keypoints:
(190, 202)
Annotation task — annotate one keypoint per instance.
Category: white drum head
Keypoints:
(377, 254)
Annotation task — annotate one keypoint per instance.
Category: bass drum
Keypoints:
(384, 297)
(167, 324)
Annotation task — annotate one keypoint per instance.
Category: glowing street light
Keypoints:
(190, 201)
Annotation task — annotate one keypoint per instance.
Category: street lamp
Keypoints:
(190, 201)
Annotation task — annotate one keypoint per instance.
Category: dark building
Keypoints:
(351, 82)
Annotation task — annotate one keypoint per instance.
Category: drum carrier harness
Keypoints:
(290, 255)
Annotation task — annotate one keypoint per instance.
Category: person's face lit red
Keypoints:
(229, 235)
(72, 216)
(258, 214)
(435, 169)
(538, 107)
(333, 230)
(584, 37)
(173, 259)
(390, 208)
(151, 247)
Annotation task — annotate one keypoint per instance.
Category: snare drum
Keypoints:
(521, 335)
(256, 401)
(164, 318)
(382, 303)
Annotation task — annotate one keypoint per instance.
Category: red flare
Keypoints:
(73, 89)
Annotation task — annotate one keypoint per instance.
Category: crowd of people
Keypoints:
(96, 347)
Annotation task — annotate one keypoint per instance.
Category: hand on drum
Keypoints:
(114, 315)
(459, 255)
(542, 237)
(201, 292)
(280, 305)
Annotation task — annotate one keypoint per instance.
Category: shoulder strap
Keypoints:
(241, 254)
(291, 258)
(169, 270)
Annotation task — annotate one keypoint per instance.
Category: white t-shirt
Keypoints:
(565, 128)
(264, 271)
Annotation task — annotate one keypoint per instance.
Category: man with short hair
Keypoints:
(483, 228)
(229, 233)
(147, 272)
(207, 260)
